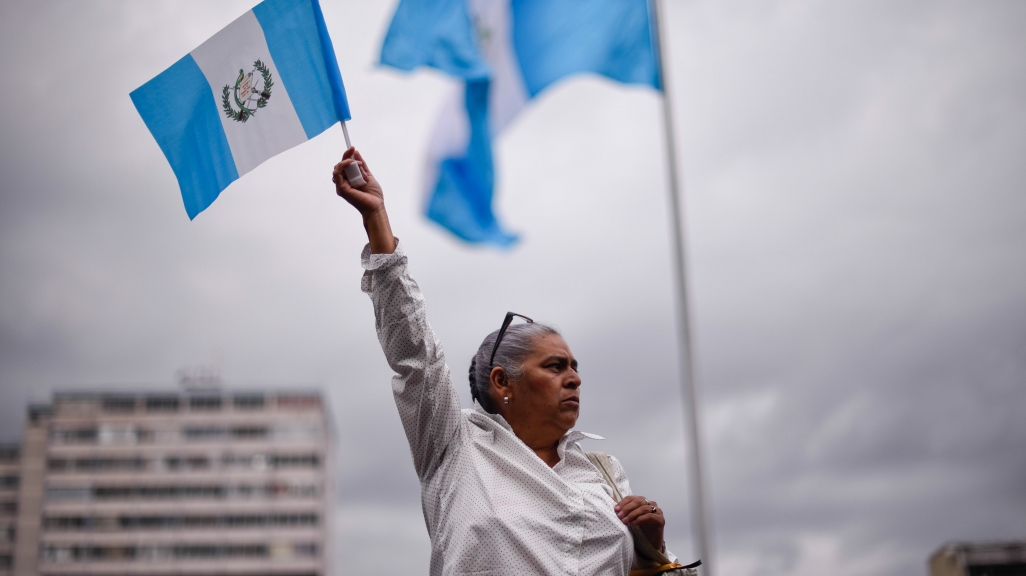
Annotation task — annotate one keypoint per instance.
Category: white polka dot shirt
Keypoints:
(491, 505)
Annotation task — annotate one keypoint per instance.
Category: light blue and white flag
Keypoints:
(265, 83)
(506, 52)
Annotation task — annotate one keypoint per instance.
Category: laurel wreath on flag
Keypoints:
(244, 113)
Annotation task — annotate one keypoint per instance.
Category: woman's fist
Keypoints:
(368, 198)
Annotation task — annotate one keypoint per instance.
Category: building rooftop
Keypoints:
(997, 558)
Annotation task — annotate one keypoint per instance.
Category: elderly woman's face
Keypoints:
(548, 393)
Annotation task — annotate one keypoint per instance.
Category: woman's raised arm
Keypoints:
(428, 405)
(369, 199)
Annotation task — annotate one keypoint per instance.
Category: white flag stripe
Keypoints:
(449, 138)
(507, 94)
(270, 130)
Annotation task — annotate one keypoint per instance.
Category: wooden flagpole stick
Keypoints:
(699, 520)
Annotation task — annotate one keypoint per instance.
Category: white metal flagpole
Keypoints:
(353, 173)
(699, 520)
(345, 134)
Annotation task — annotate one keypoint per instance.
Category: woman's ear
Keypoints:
(500, 383)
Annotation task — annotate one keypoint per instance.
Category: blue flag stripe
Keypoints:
(462, 199)
(338, 89)
(436, 33)
(179, 109)
(557, 38)
(308, 69)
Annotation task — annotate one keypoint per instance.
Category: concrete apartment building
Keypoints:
(198, 483)
(10, 456)
(979, 559)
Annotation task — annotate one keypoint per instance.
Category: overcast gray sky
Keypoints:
(856, 226)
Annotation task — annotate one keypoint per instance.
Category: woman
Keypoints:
(505, 487)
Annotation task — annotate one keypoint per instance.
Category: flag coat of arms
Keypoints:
(265, 83)
(506, 52)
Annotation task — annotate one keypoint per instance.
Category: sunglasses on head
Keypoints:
(502, 331)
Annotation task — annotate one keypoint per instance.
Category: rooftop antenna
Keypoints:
(199, 378)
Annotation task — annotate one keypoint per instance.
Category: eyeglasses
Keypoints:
(502, 331)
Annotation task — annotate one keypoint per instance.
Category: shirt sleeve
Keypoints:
(428, 405)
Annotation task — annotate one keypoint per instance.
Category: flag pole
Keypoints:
(699, 520)
(345, 133)
(353, 173)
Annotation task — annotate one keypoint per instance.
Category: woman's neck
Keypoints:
(549, 455)
(541, 437)
(545, 445)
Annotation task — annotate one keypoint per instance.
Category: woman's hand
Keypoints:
(646, 515)
(369, 199)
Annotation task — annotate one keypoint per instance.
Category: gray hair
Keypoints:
(517, 344)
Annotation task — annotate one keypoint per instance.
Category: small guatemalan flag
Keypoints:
(265, 83)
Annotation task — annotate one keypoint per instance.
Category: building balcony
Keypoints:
(277, 567)
(277, 505)
(249, 445)
(183, 537)
(163, 477)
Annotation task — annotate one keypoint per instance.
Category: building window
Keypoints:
(75, 435)
(68, 493)
(194, 433)
(218, 432)
(249, 432)
(119, 404)
(38, 413)
(116, 434)
(187, 462)
(8, 482)
(58, 465)
(205, 403)
(297, 432)
(249, 402)
(175, 522)
(274, 489)
(299, 401)
(9, 454)
(294, 461)
(306, 550)
(162, 403)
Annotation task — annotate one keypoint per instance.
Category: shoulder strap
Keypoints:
(642, 546)
(605, 467)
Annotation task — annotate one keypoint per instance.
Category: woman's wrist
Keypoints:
(379, 231)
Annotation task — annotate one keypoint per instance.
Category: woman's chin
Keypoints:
(569, 415)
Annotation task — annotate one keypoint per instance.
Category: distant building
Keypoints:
(10, 476)
(980, 559)
(179, 483)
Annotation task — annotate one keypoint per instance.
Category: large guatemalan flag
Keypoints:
(506, 52)
(265, 83)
